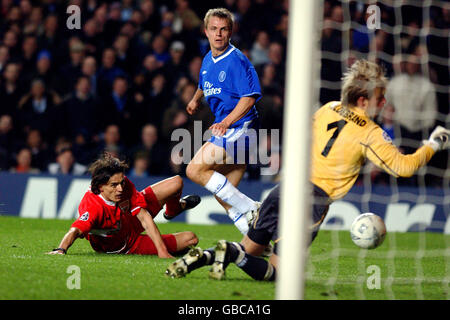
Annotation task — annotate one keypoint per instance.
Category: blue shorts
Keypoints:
(240, 143)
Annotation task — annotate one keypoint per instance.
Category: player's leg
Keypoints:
(202, 170)
(320, 208)
(195, 258)
(174, 242)
(234, 174)
(246, 254)
(168, 192)
(232, 252)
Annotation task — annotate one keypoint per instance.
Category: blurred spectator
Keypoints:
(176, 116)
(4, 57)
(155, 151)
(70, 72)
(91, 37)
(159, 49)
(108, 72)
(7, 140)
(276, 58)
(175, 68)
(194, 69)
(269, 84)
(29, 54)
(140, 166)
(151, 67)
(33, 24)
(89, 70)
(111, 141)
(80, 112)
(119, 108)
(331, 42)
(11, 41)
(387, 120)
(159, 100)
(414, 99)
(123, 59)
(44, 71)
(10, 90)
(114, 22)
(39, 150)
(23, 163)
(152, 20)
(38, 111)
(281, 30)
(66, 164)
(51, 38)
(185, 19)
(245, 21)
(259, 54)
(127, 10)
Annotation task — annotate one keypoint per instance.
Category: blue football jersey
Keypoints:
(227, 78)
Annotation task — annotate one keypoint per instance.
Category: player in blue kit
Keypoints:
(229, 83)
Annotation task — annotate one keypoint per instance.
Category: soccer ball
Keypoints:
(368, 231)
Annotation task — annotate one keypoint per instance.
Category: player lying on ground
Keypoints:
(229, 83)
(344, 136)
(113, 214)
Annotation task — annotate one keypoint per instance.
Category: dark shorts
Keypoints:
(265, 226)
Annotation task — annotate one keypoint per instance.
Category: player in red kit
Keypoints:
(113, 214)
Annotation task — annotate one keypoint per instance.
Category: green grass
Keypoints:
(27, 273)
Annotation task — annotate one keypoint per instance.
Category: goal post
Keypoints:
(294, 189)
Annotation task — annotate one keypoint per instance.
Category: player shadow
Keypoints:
(204, 275)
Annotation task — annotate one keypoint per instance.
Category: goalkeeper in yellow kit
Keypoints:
(344, 136)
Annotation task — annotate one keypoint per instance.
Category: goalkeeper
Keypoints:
(344, 136)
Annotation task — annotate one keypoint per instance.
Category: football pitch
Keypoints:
(407, 266)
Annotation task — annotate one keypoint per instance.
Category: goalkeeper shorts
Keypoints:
(265, 226)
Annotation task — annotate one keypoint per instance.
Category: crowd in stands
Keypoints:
(121, 82)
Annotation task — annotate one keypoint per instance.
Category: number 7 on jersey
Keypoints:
(339, 125)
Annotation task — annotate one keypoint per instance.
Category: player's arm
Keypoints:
(152, 231)
(386, 156)
(194, 104)
(242, 108)
(68, 239)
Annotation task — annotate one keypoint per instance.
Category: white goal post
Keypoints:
(295, 191)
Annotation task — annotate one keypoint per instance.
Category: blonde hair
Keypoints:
(361, 80)
(219, 13)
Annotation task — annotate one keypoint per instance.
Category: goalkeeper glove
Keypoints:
(439, 139)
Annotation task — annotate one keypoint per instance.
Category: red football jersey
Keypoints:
(109, 226)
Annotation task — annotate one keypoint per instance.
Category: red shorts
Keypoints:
(145, 245)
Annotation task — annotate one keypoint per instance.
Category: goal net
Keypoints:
(410, 39)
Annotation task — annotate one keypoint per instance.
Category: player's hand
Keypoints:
(439, 139)
(218, 129)
(192, 107)
(55, 252)
(164, 255)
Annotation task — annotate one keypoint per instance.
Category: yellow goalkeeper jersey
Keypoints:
(343, 138)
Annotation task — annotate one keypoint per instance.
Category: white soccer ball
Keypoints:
(368, 231)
